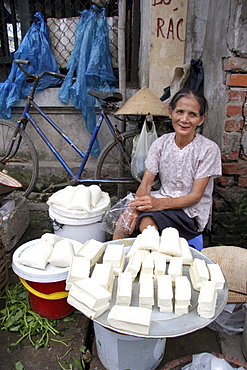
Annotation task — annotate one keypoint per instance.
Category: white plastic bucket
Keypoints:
(46, 288)
(119, 352)
(80, 230)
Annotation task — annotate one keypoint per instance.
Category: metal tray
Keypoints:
(168, 325)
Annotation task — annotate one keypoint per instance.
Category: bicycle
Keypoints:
(19, 158)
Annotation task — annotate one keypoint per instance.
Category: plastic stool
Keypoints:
(196, 242)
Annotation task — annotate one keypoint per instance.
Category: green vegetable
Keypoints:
(80, 363)
(17, 316)
(19, 366)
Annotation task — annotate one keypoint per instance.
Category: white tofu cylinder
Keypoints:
(169, 242)
(149, 239)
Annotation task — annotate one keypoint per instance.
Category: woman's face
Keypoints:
(186, 117)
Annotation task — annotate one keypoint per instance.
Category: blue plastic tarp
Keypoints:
(91, 63)
(34, 47)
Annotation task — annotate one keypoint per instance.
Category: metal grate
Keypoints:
(62, 17)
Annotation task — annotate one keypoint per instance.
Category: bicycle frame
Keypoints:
(26, 117)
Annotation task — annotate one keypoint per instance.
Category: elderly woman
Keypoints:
(187, 164)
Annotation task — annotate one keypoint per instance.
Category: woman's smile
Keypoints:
(185, 119)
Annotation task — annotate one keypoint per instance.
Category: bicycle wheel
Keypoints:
(111, 164)
(22, 165)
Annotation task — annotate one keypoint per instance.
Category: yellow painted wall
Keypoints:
(168, 28)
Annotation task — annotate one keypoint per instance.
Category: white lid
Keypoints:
(49, 275)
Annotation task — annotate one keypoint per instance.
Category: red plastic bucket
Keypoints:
(44, 299)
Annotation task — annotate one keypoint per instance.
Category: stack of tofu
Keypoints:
(206, 278)
(165, 293)
(182, 295)
(124, 289)
(207, 299)
(89, 297)
(115, 255)
(157, 262)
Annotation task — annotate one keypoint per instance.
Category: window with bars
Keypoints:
(16, 16)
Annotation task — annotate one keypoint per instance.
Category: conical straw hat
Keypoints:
(8, 183)
(144, 102)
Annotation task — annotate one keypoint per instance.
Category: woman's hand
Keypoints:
(127, 220)
(146, 203)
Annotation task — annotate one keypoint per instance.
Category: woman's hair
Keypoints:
(195, 93)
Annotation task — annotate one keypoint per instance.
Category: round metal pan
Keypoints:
(168, 325)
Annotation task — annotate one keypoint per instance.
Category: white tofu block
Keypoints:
(146, 293)
(134, 247)
(92, 314)
(79, 269)
(181, 309)
(175, 267)
(165, 293)
(182, 291)
(130, 318)
(150, 239)
(207, 299)
(115, 255)
(169, 242)
(124, 289)
(92, 249)
(198, 273)
(160, 264)
(148, 263)
(90, 293)
(118, 270)
(186, 252)
(166, 308)
(134, 264)
(103, 274)
(216, 275)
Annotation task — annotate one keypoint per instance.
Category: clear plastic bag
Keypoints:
(141, 145)
(230, 322)
(207, 361)
(111, 217)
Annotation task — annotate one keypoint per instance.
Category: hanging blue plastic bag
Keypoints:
(91, 63)
(34, 47)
